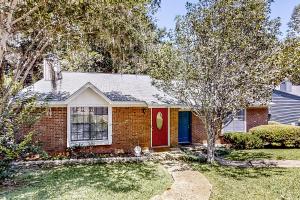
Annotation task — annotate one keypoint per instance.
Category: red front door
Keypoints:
(160, 127)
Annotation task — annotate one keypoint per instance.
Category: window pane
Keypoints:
(101, 110)
(93, 135)
(240, 115)
(89, 123)
(80, 131)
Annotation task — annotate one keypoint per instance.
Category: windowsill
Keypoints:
(89, 143)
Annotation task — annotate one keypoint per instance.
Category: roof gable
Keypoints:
(88, 95)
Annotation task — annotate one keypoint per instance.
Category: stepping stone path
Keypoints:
(188, 184)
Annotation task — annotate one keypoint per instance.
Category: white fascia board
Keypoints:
(128, 104)
(122, 104)
(51, 104)
(167, 106)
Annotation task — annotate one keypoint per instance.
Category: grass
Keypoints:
(257, 154)
(103, 181)
(248, 184)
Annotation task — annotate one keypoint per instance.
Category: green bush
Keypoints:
(17, 150)
(241, 140)
(278, 135)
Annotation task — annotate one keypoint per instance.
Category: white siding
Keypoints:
(285, 108)
(89, 98)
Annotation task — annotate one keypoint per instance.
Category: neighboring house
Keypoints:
(285, 107)
(116, 112)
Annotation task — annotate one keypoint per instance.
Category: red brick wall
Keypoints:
(174, 127)
(52, 130)
(256, 117)
(131, 127)
(198, 131)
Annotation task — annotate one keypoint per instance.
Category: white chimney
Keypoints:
(47, 71)
(52, 69)
(286, 86)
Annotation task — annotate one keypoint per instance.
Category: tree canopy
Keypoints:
(289, 57)
(107, 36)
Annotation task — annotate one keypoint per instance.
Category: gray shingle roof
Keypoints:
(117, 87)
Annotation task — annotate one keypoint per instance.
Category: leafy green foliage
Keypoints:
(294, 24)
(278, 135)
(288, 59)
(243, 140)
(92, 36)
(114, 37)
(18, 115)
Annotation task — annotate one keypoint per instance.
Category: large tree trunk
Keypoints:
(212, 126)
(211, 141)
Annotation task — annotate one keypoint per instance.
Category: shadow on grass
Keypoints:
(237, 173)
(113, 177)
(242, 155)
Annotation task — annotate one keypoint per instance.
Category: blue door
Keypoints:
(184, 127)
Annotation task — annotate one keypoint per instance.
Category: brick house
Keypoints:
(109, 112)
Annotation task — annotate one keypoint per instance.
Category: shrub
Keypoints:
(241, 140)
(19, 111)
(278, 135)
(11, 150)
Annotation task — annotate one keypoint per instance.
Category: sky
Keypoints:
(171, 8)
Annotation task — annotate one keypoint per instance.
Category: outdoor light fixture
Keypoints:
(144, 110)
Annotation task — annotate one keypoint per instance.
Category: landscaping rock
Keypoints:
(52, 163)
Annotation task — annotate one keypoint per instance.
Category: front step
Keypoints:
(193, 147)
(160, 149)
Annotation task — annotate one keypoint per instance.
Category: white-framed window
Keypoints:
(237, 124)
(88, 123)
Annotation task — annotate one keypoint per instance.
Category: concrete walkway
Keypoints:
(188, 184)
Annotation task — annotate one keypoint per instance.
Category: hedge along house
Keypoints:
(116, 112)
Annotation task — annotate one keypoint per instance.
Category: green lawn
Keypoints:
(251, 184)
(103, 181)
(256, 154)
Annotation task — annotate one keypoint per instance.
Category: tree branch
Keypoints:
(25, 15)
